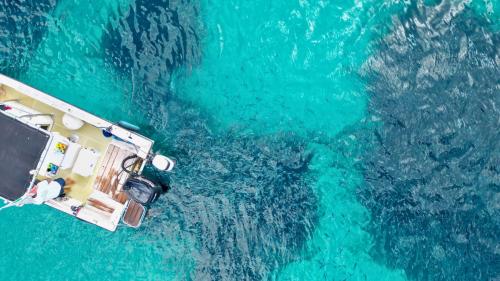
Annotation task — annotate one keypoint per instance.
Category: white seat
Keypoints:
(55, 155)
(30, 115)
(71, 154)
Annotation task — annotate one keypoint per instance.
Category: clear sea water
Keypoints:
(315, 140)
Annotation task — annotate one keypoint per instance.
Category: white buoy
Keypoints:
(163, 163)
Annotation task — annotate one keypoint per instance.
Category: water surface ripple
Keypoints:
(315, 140)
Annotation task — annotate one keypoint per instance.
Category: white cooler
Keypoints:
(85, 162)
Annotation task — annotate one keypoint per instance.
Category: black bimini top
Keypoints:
(21, 147)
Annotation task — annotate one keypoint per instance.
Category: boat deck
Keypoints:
(89, 136)
(77, 148)
(110, 178)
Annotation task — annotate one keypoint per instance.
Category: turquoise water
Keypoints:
(271, 109)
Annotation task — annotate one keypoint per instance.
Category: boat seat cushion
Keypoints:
(17, 109)
(71, 154)
(55, 155)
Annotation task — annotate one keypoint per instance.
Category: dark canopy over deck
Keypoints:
(21, 147)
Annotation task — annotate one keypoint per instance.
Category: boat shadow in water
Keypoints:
(432, 175)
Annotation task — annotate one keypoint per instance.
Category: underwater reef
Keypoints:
(244, 200)
(148, 43)
(433, 170)
(152, 38)
(22, 27)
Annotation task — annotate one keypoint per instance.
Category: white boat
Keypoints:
(43, 138)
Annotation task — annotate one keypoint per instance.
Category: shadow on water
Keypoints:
(244, 200)
(22, 27)
(432, 176)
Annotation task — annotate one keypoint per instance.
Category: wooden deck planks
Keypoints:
(134, 214)
(110, 177)
(109, 158)
(121, 197)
